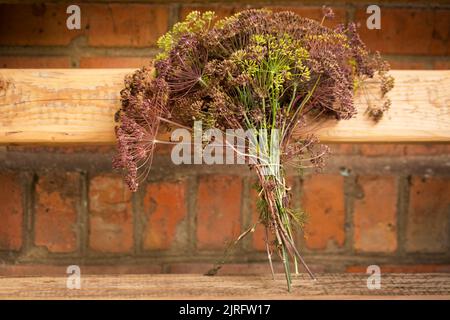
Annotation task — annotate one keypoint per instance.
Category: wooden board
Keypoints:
(63, 106)
(327, 286)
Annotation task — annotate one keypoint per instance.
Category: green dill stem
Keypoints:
(202, 82)
(287, 270)
(308, 96)
(269, 254)
(218, 265)
(284, 218)
(264, 112)
(289, 108)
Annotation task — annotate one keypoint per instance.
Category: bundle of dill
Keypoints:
(273, 74)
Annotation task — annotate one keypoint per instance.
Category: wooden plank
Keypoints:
(63, 106)
(327, 286)
(59, 105)
(420, 112)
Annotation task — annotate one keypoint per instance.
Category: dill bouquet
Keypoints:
(276, 74)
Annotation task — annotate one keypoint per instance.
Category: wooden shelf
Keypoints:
(64, 106)
(165, 286)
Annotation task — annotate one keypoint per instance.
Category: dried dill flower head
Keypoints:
(144, 101)
(254, 70)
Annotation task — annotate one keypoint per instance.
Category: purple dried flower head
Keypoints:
(144, 101)
(252, 69)
(327, 12)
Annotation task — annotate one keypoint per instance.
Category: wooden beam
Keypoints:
(64, 106)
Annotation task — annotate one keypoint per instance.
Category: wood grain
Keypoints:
(64, 106)
(327, 286)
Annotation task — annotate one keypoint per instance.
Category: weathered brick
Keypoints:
(441, 64)
(402, 149)
(408, 64)
(427, 149)
(323, 201)
(259, 235)
(428, 216)
(11, 212)
(258, 238)
(137, 25)
(375, 215)
(110, 215)
(56, 211)
(34, 62)
(382, 149)
(113, 62)
(218, 211)
(408, 31)
(341, 148)
(36, 24)
(164, 211)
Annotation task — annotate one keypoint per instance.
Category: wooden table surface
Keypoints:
(165, 286)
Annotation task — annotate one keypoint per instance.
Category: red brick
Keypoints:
(441, 64)
(428, 216)
(11, 212)
(314, 13)
(110, 219)
(405, 64)
(113, 62)
(341, 148)
(34, 62)
(218, 211)
(137, 25)
(375, 215)
(408, 31)
(36, 24)
(323, 201)
(164, 210)
(427, 149)
(259, 238)
(402, 149)
(380, 149)
(56, 211)
(404, 268)
(259, 235)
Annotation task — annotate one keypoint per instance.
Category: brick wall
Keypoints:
(385, 204)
